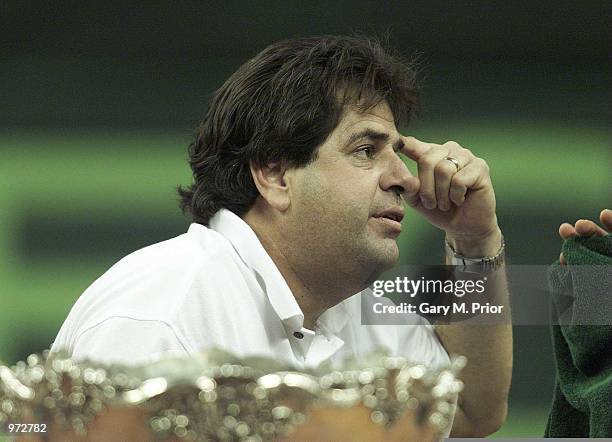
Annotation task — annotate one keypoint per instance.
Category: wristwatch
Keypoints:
(485, 264)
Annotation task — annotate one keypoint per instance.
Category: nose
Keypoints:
(396, 177)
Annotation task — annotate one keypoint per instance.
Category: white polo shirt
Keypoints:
(217, 287)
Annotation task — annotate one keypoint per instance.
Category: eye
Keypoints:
(367, 151)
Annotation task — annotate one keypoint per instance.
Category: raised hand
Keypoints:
(455, 192)
(586, 228)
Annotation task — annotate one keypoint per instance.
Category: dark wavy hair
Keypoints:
(280, 106)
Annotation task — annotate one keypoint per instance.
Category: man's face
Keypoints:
(343, 203)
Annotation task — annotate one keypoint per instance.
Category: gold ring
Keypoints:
(454, 161)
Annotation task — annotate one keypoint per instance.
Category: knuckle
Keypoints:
(458, 181)
(453, 145)
(468, 153)
(457, 199)
(457, 193)
(444, 168)
(482, 163)
(428, 161)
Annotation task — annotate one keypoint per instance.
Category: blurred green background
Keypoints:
(99, 102)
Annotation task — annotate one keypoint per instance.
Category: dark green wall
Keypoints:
(98, 100)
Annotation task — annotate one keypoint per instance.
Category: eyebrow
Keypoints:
(376, 136)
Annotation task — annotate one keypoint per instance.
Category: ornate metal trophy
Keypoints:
(216, 396)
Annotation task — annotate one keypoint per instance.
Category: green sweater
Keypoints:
(582, 294)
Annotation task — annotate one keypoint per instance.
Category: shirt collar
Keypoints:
(249, 248)
(333, 319)
(247, 245)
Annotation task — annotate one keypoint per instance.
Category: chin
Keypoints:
(392, 252)
(384, 258)
(375, 270)
(373, 256)
(390, 263)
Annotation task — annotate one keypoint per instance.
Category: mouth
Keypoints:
(391, 218)
(394, 214)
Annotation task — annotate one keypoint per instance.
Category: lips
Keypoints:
(394, 214)
(391, 219)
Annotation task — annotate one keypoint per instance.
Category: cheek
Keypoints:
(347, 217)
(338, 197)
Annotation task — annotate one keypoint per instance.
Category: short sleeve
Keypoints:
(124, 340)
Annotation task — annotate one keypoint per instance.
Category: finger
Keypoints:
(444, 171)
(414, 149)
(562, 259)
(426, 166)
(471, 176)
(566, 231)
(411, 192)
(606, 219)
(585, 227)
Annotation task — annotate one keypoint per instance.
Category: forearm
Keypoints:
(483, 403)
(488, 348)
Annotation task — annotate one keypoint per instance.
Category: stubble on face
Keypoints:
(331, 224)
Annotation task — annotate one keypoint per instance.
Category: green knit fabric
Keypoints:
(582, 294)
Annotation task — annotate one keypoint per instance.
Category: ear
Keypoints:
(272, 185)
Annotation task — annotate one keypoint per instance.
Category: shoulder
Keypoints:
(191, 249)
(165, 269)
(125, 340)
(158, 284)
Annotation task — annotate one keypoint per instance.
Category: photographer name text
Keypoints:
(426, 308)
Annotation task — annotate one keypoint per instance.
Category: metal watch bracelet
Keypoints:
(485, 264)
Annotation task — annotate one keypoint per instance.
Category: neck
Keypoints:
(309, 288)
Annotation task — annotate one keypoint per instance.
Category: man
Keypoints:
(297, 203)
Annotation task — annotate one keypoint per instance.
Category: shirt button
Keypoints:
(298, 335)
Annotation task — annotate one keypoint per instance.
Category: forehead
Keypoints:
(353, 119)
